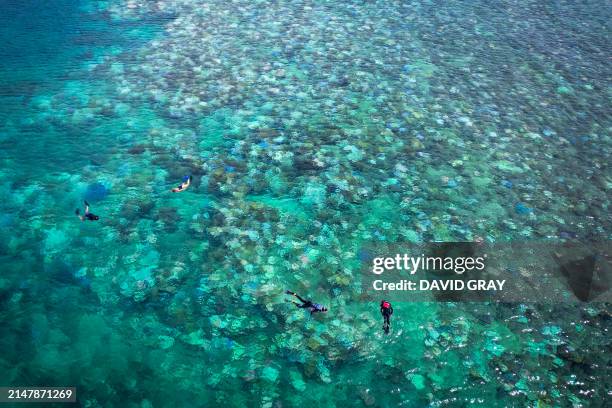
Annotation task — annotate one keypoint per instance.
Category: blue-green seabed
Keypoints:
(310, 128)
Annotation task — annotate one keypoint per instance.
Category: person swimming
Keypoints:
(386, 310)
(183, 186)
(88, 216)
(306, 304)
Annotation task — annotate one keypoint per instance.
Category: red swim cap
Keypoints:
(386, 304)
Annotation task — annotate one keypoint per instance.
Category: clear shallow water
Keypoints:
(310, 128)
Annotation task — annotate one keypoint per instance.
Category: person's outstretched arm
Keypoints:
(296, 295)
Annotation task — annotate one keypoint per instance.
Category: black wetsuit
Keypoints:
(88, 216)
(91, 217)
(307, 304)
(386, 312)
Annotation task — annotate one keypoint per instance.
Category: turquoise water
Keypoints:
(311, 128)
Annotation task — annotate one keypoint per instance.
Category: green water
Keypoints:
(311, 128)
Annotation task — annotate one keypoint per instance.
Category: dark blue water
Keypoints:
(39, 43)
(48, 60)
(311, 128)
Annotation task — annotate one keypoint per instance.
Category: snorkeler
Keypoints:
(306, 304)
(183, 186)
(88, 216)
(386, 310)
